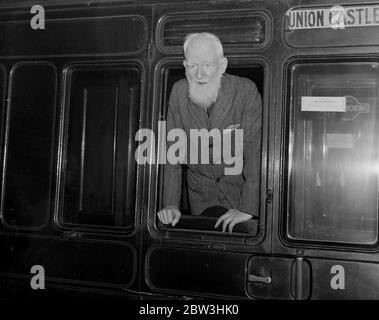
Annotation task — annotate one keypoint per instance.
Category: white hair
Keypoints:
(206, 35)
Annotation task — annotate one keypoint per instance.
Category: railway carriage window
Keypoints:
(333, 160)
(206, 221)
(29, 145)
(100, 170)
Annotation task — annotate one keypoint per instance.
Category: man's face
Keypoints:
(204, 69)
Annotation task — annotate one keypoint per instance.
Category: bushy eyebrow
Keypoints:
(205, 62)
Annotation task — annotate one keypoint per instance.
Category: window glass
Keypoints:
(29, 146)
(333, 152)
(238, 30)
(100, 171)
(206, 221)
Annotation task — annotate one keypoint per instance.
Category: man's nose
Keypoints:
(200, 73)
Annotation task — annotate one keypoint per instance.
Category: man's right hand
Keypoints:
(169, 215)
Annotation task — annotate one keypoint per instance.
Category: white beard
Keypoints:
(204, 95)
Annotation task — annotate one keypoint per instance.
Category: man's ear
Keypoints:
(224, 64)
(184, 63)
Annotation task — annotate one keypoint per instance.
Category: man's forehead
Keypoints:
(202, 47)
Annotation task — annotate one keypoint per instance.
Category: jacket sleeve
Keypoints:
(172, 182)
(252, 126)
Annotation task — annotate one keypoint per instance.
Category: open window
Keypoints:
(205, 222)
(99, 172)
(332, 161)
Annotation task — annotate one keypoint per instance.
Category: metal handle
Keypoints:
(253, 278)
(299, 278)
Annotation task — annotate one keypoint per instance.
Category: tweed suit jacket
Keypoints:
(238, 104)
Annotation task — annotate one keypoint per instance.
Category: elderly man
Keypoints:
(209, 98)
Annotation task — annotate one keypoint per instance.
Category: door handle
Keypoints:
(253, 278)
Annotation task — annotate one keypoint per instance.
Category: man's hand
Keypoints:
(169, 215)
(231, 218)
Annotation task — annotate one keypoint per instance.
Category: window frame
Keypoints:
(234, 61)
(284, 231)
(63, 135)
(7, 91)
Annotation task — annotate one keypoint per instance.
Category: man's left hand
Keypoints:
(231, 218)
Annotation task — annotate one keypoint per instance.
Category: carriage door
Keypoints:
(194, 258)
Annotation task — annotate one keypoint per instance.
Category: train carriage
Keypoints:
(77, 88)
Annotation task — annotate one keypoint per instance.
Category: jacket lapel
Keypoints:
(223, 103)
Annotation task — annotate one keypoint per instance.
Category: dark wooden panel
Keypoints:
(82, 261)
(355, 280)
(207, 272)
(99, 35)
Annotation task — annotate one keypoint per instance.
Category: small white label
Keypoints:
(339, 140)
(323, 104)
(336, 17)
